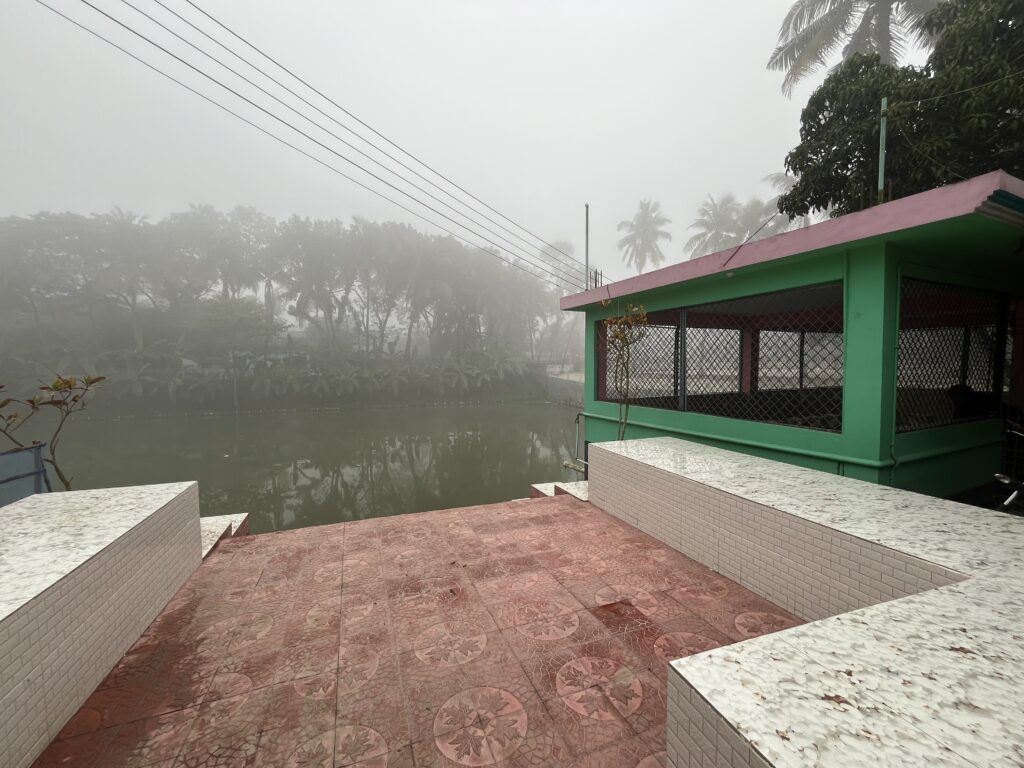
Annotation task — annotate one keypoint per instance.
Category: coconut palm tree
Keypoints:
(715, 225)
(643, 234)
(726, 222)
(814, 29)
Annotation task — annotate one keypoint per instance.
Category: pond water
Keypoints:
(289, 470)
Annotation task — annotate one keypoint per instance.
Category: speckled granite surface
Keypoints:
(578, 488)
(216, 526)
(926, 679)
(538, 490)
(47, 536)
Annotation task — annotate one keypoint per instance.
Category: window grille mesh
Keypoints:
(774, 357)
(652, 370)
(713, 359)
(951, 355)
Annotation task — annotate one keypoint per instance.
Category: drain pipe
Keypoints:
(577, 464)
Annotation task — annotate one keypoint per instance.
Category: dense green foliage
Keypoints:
(219, 310)
(959, 116)
(814, 29)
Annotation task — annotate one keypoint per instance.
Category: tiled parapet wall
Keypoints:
(83, 574)
(807, 568)
(915, 657)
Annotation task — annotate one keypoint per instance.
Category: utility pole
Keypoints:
(586, 246)
(881, 150)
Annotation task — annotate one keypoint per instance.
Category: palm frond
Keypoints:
(804, 12)
(837, 18)
(811, 48)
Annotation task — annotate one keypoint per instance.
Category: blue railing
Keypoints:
(22, 473)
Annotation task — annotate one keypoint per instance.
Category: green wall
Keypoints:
(938, 461)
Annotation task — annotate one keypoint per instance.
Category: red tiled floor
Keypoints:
(531, 633)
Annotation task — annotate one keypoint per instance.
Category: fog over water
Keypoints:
(536, 107)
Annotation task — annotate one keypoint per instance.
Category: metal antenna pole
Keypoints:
(881, 150)
(586, 245)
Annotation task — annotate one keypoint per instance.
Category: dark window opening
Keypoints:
(952, 355)
(775, 357)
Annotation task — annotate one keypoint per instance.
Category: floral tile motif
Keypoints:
(743, 625)
(546, 670)
(357, 745)
(357, 665)
(380, 706)
(480, 726)
(544, 636)
(589, 683)
(756, 623)
(523, 608)
(524, 635)
(588, 722)
(449, 643)
(295, 748)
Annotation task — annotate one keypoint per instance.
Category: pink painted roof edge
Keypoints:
(923, 208)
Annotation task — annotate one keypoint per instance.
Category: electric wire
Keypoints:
(375, 131)
(335, 136)
(917, 150)
(554, 283)
(332, 134)
(750, 237)
(316, 141)
(555, 253)
(914, 102)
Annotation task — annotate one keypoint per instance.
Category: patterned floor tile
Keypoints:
(547, 672)
(295, 748)
(532, 633)
(644, 751)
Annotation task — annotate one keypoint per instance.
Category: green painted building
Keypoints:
(879, 345)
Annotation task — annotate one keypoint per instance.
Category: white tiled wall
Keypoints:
(59, 646)
(808, 569)
(697, 736)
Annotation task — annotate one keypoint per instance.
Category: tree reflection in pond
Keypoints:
(290, 470)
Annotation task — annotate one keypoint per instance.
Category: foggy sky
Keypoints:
(536, 107)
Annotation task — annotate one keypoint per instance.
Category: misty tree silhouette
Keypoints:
(644, 232)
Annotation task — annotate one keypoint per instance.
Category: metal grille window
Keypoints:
(774, 357)
(782, 369)
(712, 360)
(952, 355)
(653, 365)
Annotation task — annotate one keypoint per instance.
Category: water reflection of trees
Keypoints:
(435, 466)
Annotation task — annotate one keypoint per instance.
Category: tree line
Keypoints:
(210, 308)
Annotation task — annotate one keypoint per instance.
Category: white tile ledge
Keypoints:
(216, 527)
(49, 535)
(932, 678)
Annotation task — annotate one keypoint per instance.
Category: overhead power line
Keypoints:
(420, 189)
(917, 149)
(554, 252)
(316, 141)
(558, 283)
(377, 133)
(915, 102)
